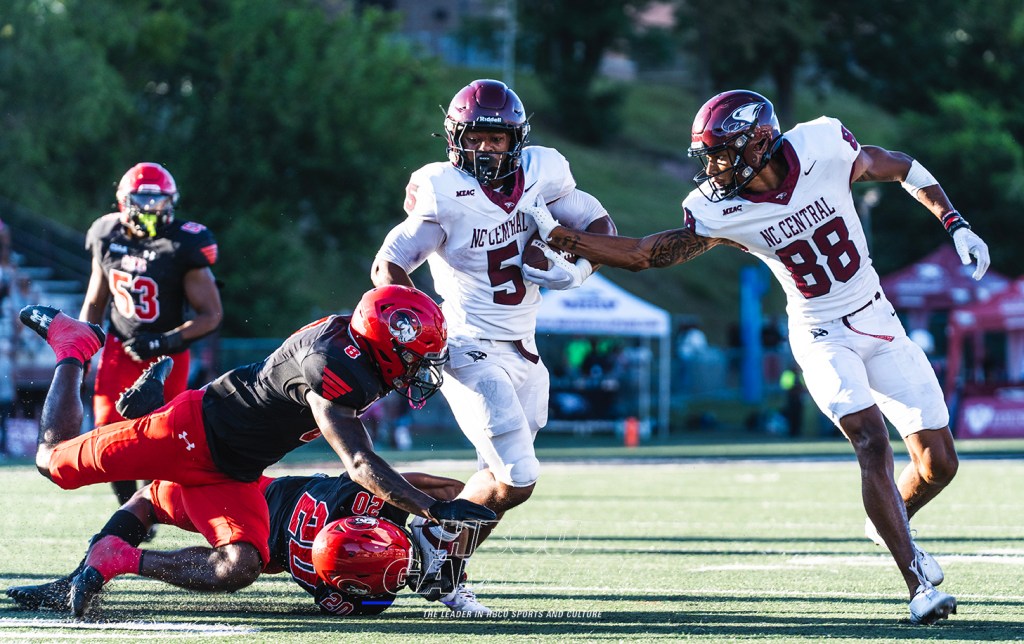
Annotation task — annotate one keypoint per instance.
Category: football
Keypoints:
(533, 255)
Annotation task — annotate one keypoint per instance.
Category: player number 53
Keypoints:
(135, 296)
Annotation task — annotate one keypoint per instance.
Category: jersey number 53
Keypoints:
(135, 296)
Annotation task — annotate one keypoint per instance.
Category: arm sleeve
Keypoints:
(577, 209)
(410, 243)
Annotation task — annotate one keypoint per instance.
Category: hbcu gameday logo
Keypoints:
(404, 326)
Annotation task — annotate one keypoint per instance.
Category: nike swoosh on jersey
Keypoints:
(808, 170)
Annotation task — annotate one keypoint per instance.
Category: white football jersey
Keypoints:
(476, 258)
(807, 232)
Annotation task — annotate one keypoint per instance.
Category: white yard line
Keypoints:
(161, 629)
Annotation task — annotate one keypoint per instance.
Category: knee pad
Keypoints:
(525, 472)
(519, 466)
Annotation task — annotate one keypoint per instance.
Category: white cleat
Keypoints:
(434, 579)
(930, 569)
(930, 605)
(463, 600)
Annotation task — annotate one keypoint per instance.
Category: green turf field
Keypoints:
(695, 551)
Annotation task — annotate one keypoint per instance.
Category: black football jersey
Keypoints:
(146, 276)
(300, 506)
(256, 414)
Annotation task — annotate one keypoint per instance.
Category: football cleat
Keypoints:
(929, 567)
(54, 595)
(929, 605)
(147, 394)
(85, 588)
(68, 337)
(463, 600)
(437, 570)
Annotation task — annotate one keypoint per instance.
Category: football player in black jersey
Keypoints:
(215, 442)
(152, 269)
(300, 507)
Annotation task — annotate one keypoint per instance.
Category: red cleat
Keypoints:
(69, 338)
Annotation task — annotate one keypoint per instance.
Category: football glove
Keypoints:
(967, 243)
(149, 345)
(460, 511)
(542, 216)
(563, 274)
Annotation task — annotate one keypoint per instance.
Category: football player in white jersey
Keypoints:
(465, 220)
(787, 200)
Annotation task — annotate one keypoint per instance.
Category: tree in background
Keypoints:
(565, 41)
(291, 132)
(949, 70)
(736, 44)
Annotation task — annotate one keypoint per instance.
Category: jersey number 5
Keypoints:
(831, 241)
(500, 275)
(125, 287)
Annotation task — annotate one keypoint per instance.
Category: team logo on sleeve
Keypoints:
(404, 325)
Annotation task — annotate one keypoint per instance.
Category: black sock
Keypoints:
(126, 526)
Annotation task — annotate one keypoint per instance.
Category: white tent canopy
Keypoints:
(599, 307)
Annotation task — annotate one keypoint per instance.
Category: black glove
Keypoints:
(460, 511)
(149, 345)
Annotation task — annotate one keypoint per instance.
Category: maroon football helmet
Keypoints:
(146, 196)
(362, 556)
(486, 105)
(742, 122)
(405, 333)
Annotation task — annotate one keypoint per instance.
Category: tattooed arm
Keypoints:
(659, 250)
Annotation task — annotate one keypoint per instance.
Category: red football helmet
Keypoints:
(405, 332)
(362, 556)
(742, 122)
(146, 196)
(486, 105)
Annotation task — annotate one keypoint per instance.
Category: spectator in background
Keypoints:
(691, 343)
(7, 387)
(5, 245)
(792, 383)
(156, 270)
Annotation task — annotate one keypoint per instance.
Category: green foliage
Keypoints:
(565, 40)
(60, 103)
(291, 133)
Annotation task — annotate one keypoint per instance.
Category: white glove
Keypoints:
(967, 244)
(540, 214)
(563, 274)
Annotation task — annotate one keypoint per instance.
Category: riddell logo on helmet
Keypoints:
(404, 326)
(488, 119)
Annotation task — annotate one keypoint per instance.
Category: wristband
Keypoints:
(952, 221)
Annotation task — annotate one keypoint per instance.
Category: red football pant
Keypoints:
(117, 371)
(170, 445)
(201, 509)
